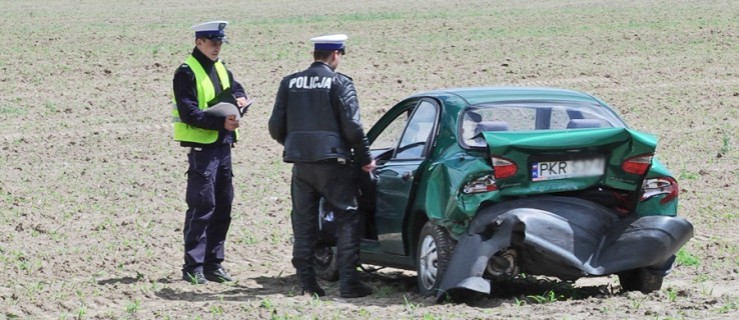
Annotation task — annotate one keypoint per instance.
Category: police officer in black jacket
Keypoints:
(209, 139)
(316, 119)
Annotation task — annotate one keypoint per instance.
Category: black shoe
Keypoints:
(194, 277)
(312, 288)
(218, 275)
(314, 291)
(355, 290)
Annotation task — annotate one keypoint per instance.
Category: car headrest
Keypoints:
(584, 123)
(491, 126)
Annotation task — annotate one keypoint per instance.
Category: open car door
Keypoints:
(397, 172)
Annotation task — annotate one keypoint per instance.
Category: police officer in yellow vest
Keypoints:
(209, 139)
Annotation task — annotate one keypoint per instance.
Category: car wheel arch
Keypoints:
(417, 220)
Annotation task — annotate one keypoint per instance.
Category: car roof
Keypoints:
(476, 95)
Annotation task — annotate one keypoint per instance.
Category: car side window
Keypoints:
(417, 134)
(389, 137)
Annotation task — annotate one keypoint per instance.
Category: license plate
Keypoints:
(553, 170)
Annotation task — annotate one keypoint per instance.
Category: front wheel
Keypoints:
(432, 257)
(324, 263)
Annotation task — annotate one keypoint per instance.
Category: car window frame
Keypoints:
(384, 122)
(433, 132)
(391, 116)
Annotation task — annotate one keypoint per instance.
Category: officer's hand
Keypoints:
(369, 167)
(231, 123)
(241, 102)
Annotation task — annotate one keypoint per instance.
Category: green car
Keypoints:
(481, 184)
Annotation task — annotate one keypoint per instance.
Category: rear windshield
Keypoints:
(527, 116)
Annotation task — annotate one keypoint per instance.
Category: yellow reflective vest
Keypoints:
(206, 92)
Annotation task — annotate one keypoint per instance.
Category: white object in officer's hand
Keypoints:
(223, 109)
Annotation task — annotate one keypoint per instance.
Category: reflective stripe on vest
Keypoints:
(206, 92)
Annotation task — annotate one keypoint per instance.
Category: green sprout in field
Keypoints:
(671, 294)
(685, 258)
(725, 144)
(133, 306)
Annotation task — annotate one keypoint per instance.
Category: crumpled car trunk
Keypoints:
(562, 237)
(533, 150)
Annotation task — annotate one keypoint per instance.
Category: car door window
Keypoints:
(390, 135)
(417, 134)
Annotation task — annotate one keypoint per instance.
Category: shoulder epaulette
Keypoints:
(341, 74)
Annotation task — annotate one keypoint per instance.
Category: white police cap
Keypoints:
(213, 30)
(329, 42)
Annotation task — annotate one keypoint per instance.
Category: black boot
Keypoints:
(353, 288)
(311, 288)
(305, 228)
(347, 256)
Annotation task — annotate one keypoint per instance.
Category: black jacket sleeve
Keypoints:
(186, 97)
(344, 98)
(236, 87)
(278, 121)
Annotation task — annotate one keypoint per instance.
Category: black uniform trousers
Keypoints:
(209, 197)
(336, 183)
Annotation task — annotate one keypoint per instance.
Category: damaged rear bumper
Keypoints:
(570, 238)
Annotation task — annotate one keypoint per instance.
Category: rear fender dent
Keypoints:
(469, 260)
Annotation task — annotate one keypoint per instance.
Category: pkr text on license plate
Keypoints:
(552, 170)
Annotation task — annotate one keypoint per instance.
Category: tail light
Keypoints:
(662, 185)
(482, 184)
(637, 165)
(503, 168)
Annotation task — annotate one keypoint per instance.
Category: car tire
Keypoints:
(432, 257)
(324, 263)
(641, 279)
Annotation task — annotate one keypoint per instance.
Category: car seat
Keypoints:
(584, 123)
(491, 126)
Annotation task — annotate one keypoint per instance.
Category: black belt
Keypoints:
(332, 161)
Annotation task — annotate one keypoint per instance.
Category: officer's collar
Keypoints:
(321, 63)
(202, 58)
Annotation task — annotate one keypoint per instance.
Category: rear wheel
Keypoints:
(432, 257)
(324, 263)
(640, 279)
